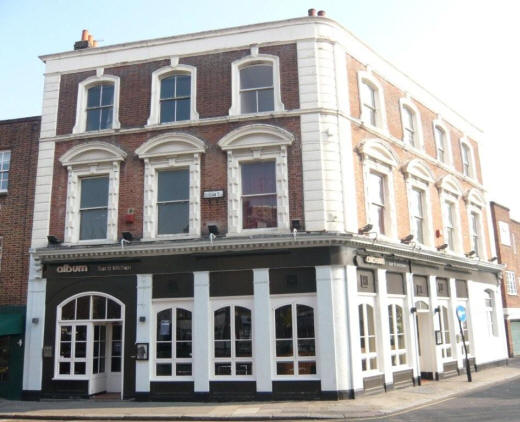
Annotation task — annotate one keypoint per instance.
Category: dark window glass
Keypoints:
(258, 76)
(307, 368)
(244, 368)
(163, 369)
(222, 324)
(284, 368)
(67, 311)
(66, 333)
(164, 325)
(99, 307)
(64, 368)
(256, 89)
(113, 310)
(283, 317)
(305, 318)
(79, 368)
(223, 368)
(183, 369)
(93, 208)
(83, 307)
(248, 102)
(175, 98)
(259, 201)
(173, 201)
(100, 107)
(183, 325)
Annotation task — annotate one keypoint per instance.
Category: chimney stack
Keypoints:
(87, 41)
(311, 12)
(321, 13)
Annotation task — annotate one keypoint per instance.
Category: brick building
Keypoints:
(18, 155)
(507, 234)
(264, 211)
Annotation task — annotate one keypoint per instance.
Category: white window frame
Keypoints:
(158, 306)
(255, 59)
(277, 301)
(490, 311)
(89, 323)
(155, 102)
(418, 176)
(3, 154)
(257, 142)
(87, 160)
(475, 205)
(418, 140)
(448, 155)
(511, 287)
(444, 327)
(379, 158)
(366, 77)
(450, 191)
(171, 151)
(394, 302)
(471, 157)
(365, 302)
(81, 104)
(505, 233)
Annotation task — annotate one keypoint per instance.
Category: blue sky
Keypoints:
(464, 51)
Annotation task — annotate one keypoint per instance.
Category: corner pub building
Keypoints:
(270, 211)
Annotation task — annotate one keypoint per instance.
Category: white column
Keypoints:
(32, 374)
(356, 378)
(143, 329)
(454, 323)
(332, 328)
(472, 314)
(382, 328)
(432, 287)
(413, 338)
(201, 333)
(262, 329)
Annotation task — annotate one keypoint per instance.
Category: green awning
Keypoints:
(12, 323)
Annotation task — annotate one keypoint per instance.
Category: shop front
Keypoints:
(12, 328)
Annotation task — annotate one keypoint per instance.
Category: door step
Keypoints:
(106, 396)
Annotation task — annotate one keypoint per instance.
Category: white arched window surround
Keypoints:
(164, 72)
(86, 160)
(407, 103)
(81, 105)
(171, 151)
(254, 59)
(378, 157)
(366, 77)
(418, 176)
(475, 204)
(471, 156)
(448, 155)
(257, 142)
(450, 192)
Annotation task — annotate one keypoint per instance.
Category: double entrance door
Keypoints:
(106, 356)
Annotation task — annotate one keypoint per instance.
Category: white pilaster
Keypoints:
(32, 374)
(201, 333)
(413, 338)
(262, 330)
(382, 327)
(432, 287)
(356, 378)
(454, 323)
(143, 329)
(332, 329)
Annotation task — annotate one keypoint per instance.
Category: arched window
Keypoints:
(173, 346)
(411, 123)
(295, 340)
(367, 333)
(398, 350)
(445, 333)
(408, 126)
(371, 100)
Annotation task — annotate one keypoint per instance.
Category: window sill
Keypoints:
(171, 378)
(296, 377)
(71, 378)
(252, 232)
(232, 378)
(259, 113)
(94, 132)
(90, 242)
(372, 373)
(183, 236)
(156, 125)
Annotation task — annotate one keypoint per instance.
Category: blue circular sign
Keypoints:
(461, 313)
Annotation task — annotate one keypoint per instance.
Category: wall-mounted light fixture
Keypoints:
(365, 229)
(471, 254)
(127, 236)
(213, 229)
(493, 259)
(406, 240)
(142, 319)
(35, 321)
(53, 240)
(442, 247)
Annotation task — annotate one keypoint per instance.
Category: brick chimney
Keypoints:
(87, 41)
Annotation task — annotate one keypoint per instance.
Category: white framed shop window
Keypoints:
(97, 106)
(232, 355)
(398, 333)
(418, 181)
(171, 341)
(92, 192)
(171, 186)
(450, 193)
(367, 336)
(446, 352)
(411, 124)
(80, 343)
(490, 312)
(255, 84)
(379, 162)
(294, 337)
(442, 138)
(174, 94)
(475, 205)
(371, 101)
(258, 185)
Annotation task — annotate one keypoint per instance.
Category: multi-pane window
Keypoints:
(4, 358)
(475, 232)
(98, 362)
(72, 358)
(511, 283)
(408, 126)
(233, 349)
(449, 224)
(465, 332)
(445, 333)
(173, 202)
(440, 140)
(259, 200)
(100, 107)
(418, 214)
(489, 309)
(5, 160)
(367, 334)
(256, 88)
(376, 194)
(397, 335)
(466, 160)
(93, 208)
(175, 98)
(369, 107)
(116, 347)
(295, 340)
(173, 343)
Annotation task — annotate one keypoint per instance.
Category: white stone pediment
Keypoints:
(256, 136)
(92, 153)
(170, 145)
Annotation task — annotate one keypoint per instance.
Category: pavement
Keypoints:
(365, 407)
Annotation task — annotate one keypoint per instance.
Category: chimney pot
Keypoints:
(94, 43)
(84, 35)
(311, 12)
(90, 38)
(321, 13)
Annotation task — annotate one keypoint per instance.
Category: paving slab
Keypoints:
(379, 405)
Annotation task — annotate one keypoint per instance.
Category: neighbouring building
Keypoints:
(507, 233)
(18, 156)
(266, 211)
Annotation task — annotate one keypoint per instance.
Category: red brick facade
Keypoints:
(19, 136)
